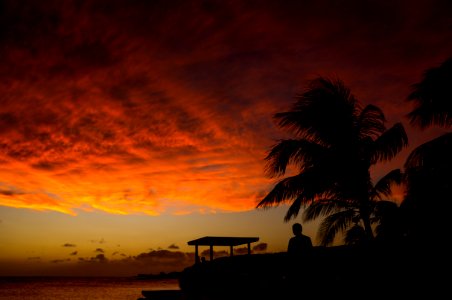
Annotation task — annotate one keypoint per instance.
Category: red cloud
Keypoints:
(151, 109)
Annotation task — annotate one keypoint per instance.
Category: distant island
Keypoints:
(161, 275)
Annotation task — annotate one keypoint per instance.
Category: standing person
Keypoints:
(298, 264)
(299, 243)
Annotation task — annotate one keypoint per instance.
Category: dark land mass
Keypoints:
(371, 271)
(161, 275)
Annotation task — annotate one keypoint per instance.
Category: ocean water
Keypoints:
(79, 288)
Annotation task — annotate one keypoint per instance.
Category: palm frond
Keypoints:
(308, 183)
(333, 224)
(384, 208)
(286, 189)
(383, 187)
(389, 144)
(355, 235)
(371, 122)
(289, 151)
(381, 209)
(294, 208)
(426, 115)
(433, 97)
(388, 219)
(309, 117)
(324, 207)
(432, 153)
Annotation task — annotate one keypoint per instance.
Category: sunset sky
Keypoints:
(128, 128)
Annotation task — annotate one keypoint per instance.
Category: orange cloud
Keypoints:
(140, 109)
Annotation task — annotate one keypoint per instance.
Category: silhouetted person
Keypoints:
(299, 243)
(299, 266)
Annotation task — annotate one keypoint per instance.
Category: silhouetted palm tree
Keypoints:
(433, 97)
(340, 215)
(390, 227)
(355, 235)
(428, 168)
(337, 141)
(428, 198)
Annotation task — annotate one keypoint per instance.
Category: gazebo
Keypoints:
(230, 241)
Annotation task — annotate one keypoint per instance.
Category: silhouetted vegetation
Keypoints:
(428, 175)
(433, 97)
(336, 142)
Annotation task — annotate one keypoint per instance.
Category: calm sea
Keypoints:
(79, 288)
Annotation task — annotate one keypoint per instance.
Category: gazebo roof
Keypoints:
(222, 241)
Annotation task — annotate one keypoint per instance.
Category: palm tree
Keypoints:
(390, 228)
(428, 197)
(336, 142)
(433, 97)
(382, 215)
(428, 168)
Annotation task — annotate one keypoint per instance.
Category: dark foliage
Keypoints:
(336, 142)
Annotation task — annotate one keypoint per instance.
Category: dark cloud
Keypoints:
(241, 250)
(48, 166)
(261, 247)
(173, 246)
(118, 253)
(153, 262)
(99, 258)
(73, 253)
(166, 258)
(7, 121)
(210, 168)
(94, 259)
(99, 250)
(221, 253)
(69, 245)
(10, 192)
(161, 255)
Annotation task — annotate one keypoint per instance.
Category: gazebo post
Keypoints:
(196, 254)
(231, 253)
(249, 248)
(211, 252)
